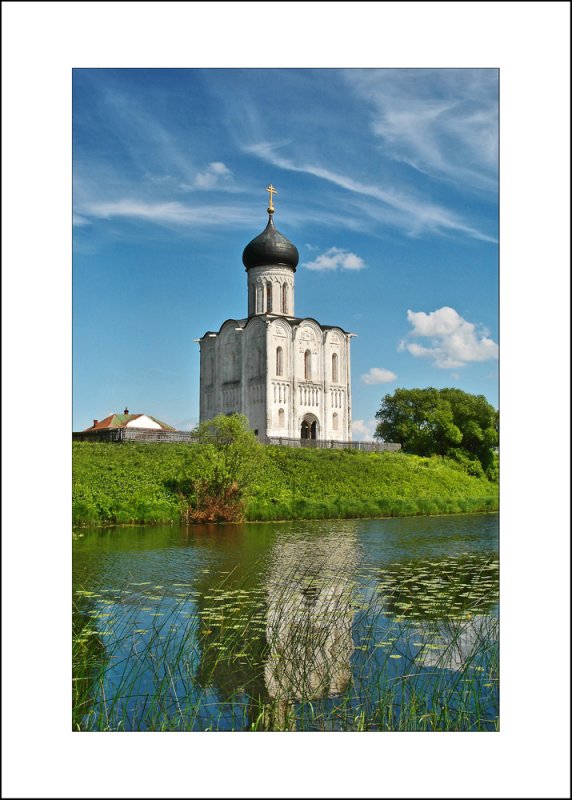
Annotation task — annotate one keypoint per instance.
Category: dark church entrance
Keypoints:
(308, 430)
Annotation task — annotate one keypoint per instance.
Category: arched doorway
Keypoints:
(309, 427)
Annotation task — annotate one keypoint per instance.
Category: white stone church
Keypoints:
(290, 376)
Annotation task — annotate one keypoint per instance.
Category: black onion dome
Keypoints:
(270, 248)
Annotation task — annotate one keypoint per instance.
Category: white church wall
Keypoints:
(309, 338)
(207, 398)
(254, 390)
(308, 376)
(279, 379)
(240, 372)
(230, 359)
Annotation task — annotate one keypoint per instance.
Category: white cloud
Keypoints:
(441, 122)
(167, 213)
(453, 341)
(78, 220)
(215, 176)
(416, 215)
(336, 258)
(186, 424)
(378, 375)
(363, 430)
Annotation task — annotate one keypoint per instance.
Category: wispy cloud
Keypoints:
(169, 213)
(336, 258)
(453, 341)
(140, 153)
(378, 375)
(416, 215)
(78, 220)
(441, 122)
(127, 127)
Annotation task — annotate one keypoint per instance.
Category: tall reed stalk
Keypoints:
(306, 651)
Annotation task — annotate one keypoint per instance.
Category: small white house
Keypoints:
(127, 420)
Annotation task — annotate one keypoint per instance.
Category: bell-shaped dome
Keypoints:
(270, 249)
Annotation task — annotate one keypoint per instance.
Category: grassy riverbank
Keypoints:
(144, 483)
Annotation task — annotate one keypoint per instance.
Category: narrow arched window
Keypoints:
(260, 361)
(335, 368)
(307, 365)
(335, 422)
(279, 361)
(280, 417)
(284, 299)
(268, 298)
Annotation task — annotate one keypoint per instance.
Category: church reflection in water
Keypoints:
(309, 624)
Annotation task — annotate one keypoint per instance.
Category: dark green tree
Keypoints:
(446, 422)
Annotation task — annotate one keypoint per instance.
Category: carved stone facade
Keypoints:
(289, 376)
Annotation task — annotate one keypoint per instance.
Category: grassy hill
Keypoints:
(135, 482)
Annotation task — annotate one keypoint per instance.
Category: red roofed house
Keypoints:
(126, 426)
(127, 420)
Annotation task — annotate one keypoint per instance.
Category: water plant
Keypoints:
(310, 643)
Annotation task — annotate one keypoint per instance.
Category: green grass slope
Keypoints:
(132, 482)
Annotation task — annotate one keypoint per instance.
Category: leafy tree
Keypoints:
(228, 457)
(447, 422)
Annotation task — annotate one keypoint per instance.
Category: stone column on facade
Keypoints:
(219, 358)
(295, 434)
(243, 373)
(268, 382)
(348, 414)
(322, 415)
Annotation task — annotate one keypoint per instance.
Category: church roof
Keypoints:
(292, 321)
(121, 420)
(297, 320)
(270, 248)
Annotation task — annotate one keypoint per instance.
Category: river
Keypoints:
(332, 625)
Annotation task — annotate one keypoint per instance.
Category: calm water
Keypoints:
(321, 625)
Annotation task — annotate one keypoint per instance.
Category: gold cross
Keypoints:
(272, 191)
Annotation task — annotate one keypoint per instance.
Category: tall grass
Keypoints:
(141, 483)
(356, 508)
(306, 651)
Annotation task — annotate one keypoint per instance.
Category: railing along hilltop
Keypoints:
(146, 435)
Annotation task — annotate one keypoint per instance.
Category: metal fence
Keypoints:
(146, 435)
(333, 444)
(133, 435)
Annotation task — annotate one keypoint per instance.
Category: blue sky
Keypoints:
(387, 183)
